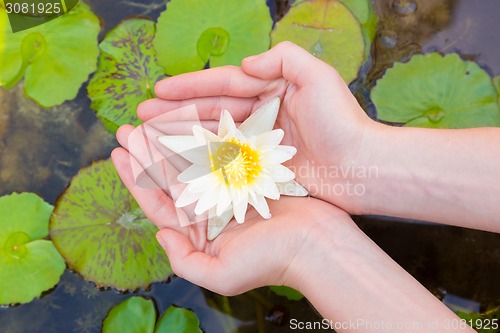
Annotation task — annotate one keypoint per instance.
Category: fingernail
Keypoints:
(160, 240)
(253, 58)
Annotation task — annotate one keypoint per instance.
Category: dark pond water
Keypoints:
(42, 149)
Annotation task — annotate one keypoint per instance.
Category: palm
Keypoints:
(240, 246)
(306, 117)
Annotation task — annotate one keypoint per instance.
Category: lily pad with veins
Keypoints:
(29, 264)
(126, 74)
(193, 33)
(439, 92)
(54, 58)
(327, 29)
(102, 233)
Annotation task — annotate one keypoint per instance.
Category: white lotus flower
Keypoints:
(236, 167)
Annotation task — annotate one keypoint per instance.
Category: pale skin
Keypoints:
(444, 176)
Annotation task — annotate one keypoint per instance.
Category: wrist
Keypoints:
(359, 170)
(321, 240)
(373, 159)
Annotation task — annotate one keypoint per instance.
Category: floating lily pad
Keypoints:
(328, 30)
(102, 233)
(135, 315)
(29, 265)
(54, 58)
(126, 74)
(439, 92)
(365, 13)
(178, 320)
(192, 33)
(138, 315)
(287, 292)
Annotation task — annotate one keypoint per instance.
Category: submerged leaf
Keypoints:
(29, 265)
(126, 74)
(178, 320)
(102, 233)
(192, 33)
(439, 92)
(287, 292)
(54, 58)
(328, 30)
(134, 315)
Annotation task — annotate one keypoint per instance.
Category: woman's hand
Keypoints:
(308, 244)
(245, 256)
(318, 114)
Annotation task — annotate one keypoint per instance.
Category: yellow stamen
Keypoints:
(239, 163)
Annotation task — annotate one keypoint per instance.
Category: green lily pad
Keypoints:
(102, 233)
(287, 292)
(365, 13)
(192, 33)
(327, 29)
(134, 315)
(439, 92)
(54, 58)
(126, 74)
(178, 320)
(138, 315)
(29, 265)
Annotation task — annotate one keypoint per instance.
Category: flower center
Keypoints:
(239, 163)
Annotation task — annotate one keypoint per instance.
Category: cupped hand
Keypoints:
(318, 114)
(245, 256)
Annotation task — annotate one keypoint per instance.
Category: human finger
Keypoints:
(197, 267)
(151, 160)
(290, 61)
(219, 81)
(207, 107)
(122, 135)
(156, 204)
(155, 166)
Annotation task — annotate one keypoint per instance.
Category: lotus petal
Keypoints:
(262, 120)
(292, 188)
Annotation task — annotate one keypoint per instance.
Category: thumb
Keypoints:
(290, 61)
(188, 263)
